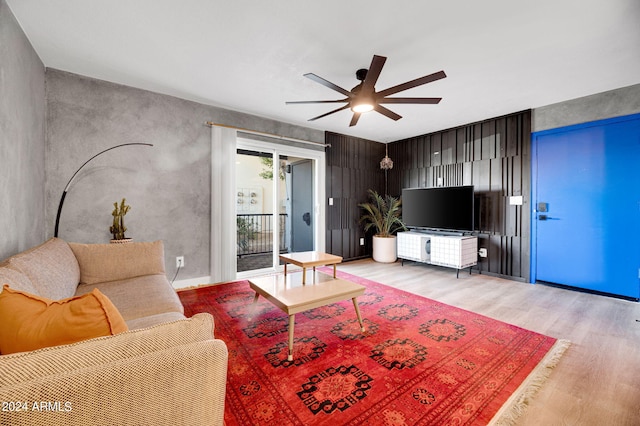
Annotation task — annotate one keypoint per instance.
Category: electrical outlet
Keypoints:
(361, 241)
(482, 252)
(180, 262)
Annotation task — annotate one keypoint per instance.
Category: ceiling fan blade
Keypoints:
(317, 102)
(373, 73)
(354, 119)
(328, 84)
(330, 112)
(409, 100)
(385, 111)
(413, 83)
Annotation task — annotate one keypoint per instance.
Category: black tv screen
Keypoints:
(449, 208)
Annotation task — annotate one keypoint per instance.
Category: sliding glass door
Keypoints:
(278, 203)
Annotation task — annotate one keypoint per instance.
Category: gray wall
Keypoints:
(167, 186)
(614, 103)
(22, 127)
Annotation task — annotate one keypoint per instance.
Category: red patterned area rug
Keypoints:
(419, 362)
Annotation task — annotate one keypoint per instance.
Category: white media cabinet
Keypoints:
(452, 251)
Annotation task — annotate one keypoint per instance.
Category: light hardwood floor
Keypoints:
(597, 381)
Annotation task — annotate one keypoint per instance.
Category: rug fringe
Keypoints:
(520, 399)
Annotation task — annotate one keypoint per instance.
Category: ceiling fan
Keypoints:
(364, 98)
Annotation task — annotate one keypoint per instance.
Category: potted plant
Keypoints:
(118, 229)
(384, 215)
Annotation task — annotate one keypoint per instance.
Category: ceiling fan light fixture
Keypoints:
(363, 105)
(364, 97)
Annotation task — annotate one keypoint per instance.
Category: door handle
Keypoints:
(307, 218)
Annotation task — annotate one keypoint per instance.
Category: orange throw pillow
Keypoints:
(29, 322)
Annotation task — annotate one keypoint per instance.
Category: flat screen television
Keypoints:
(444, 208)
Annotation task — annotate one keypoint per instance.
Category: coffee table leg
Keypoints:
(285, 268)
(304, 277)
(253, 306)
(292, 322)
(355, 305)
(334, 270)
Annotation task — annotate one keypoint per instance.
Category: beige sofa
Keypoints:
(166, 370)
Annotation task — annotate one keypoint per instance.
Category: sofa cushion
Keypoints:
(51, 267)
(151, 320)
(110, 262)
(55, 361)
(29, 322)
(139, 297)
(16, 280)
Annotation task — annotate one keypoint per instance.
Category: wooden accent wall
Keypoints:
(353, 167)
(492, 155)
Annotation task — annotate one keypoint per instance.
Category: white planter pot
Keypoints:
(384, 249)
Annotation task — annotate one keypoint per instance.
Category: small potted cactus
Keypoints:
(118, 229)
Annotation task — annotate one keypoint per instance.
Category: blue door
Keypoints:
(586, 200)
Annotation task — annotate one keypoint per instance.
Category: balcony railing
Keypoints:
(255, 233)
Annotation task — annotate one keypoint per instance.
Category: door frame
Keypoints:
(318, 179)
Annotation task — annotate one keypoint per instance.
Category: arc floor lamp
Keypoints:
(66, 188)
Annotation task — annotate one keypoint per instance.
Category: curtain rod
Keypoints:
(271, 135)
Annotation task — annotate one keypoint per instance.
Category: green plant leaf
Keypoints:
(383, 214)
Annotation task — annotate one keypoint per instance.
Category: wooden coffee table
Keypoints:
(290, 295)
(306, 259)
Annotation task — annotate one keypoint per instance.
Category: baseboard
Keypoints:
(586, 290)
(191, 282)
(506, 277)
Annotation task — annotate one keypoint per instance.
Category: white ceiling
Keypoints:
(500, 56)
